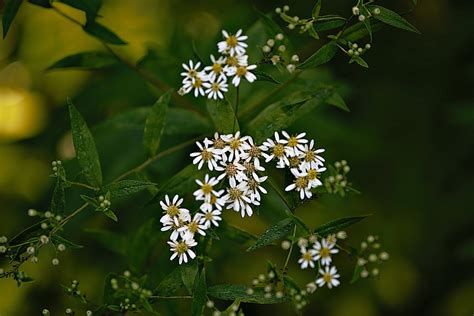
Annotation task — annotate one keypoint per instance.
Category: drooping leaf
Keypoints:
(182, 182)
(336, 100)
(232, 292)
(322, 56)
(316, 10)
(109, 240)
(392, 18)
(86, 60)
(189, 273)
(155, 124)
(360, 61)
(274, 233)
(58, 201)
(199, 294)
(69, 244)
(90, 7)
(84, 145)
(283, 113)
(236, 234)
(338, 224)
(127, 187)
(356, 274)
(9, 12)
(312, 32)
(171, 283)
(103, 33)
(262, 76)
(223, 116)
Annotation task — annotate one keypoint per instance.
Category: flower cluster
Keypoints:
(370, 255)
(212, 80)
(274, 51)
(337, 182)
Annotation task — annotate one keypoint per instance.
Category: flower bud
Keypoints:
(285, 244)
(375, 271)
(311, 287)
(271, 42)
(3, 240)
(341, 234)
(291, 26)
(55, 261)
(355, 11)
(210, 304)
(372, 257)
(34, 259)
(367, 46)
(376, 11)
(286, 8)
(266, 49)
(279, 294)
(384, 256)
(45, 312)
(361, 17)
(290, 68)
(278, 10)
(61, 247)
(3, 249)
(44, 239)
(295, 58)
(44, 225)
(249, 291)
(279, 37)
(32, 212)
(364, 273)
(30, 250)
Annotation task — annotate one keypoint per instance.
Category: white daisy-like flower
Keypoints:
(216, 70)
(312, 174)
(233, 170)
(242, 71)
(294, 144)
(216, 202)
(211, 217)
(173, 210)
(191, 71)
(196, 83)
(232, 44)
(208, 155)
(194, 226)
(236, 144)
(174, 225)
(232, 62)
(276, 150)
(252, 152)
(255, 188)
(206, 189)
(300, 184)
(217, 142)
(324, 251)
(182, 249)
(329, 277)
(252, 167)
(238, 200)
(215, 88)
(308, 257)
(310, 157)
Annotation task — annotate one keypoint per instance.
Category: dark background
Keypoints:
(408, 140)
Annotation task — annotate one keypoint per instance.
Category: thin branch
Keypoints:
(80, 184)
(290, 251)
(171, 297)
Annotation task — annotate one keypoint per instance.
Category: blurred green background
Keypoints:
(408, 138)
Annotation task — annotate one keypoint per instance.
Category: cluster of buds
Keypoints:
(3, 240)
(104, 203)
(74, 291)
(274, 51)
(52, 219)
(131, 292)
(304, 25)
(58, 169)
(355, 50)
(232, 310)
(362, 13)
(370, 255)
(337, 182)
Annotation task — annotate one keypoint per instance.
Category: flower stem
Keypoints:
(290, 251)
(80, 184)
(237, 101)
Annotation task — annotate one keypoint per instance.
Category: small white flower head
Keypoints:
(182, 249)
(174, 225)
(329, 277)
(295, 58)
(361, 17)
(237, 198)
(3, 249)
(216, 88)
(311, 287)
(275, 59)
(3, 240)
(206, 188)
(355, 11)
(233, 170)
(291, 68)
(324, 251)
(312, 174)
(384, 256)
(236, 144)
(211, 217)
(276, 150)
(271, 42)
(311, 157)
(308, 257)
(285, 244)
(193, 226)
(173, 211)
(300, 184)
(216, 202)
(30, 250)
(233, 44)
(196, 84)
(216, 70)
(32, 212)
(266, 49)
(255, 188)
(191, 70)
(207, 154)
(294, 144)
(44, 239)
(242, 71)
(279, 37)
(61, 247)
(55, 261)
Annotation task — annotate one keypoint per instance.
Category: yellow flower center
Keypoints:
(232, 61)
(301, 182)
(217, 68)
(213, 199)
(294, 162)
(172, 210)
(234, 143)
(206, 155)
(241, 71)
(235, 193)
(324, 252)
(292, 141)
(249, 167)
(219, 143)
(309, 156)
(181, 247)
(307, 256)
(252, 184)
(206, 188)
(192, 73)
(254, 151)
(327, 277)
(312, 174)
(231, 170)
(193, 227)
(279, 150)
(197, 83)
(231, 41)
(209, 216)
(215, 86)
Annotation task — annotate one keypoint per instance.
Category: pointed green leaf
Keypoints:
(101, 32)
(356, 274)
(155, 124)
(316, 10)
(69, 244)
(108, 296)
(182, 182)
(274, 233)
(337, 225)
(199, 294)
(171, 283)
(9, 12)
(392, 18)
(322, 56)
(236, 234)
(232, 292)
(222, 114)
(110, 214)
(127, 187)
(312, 32)
(262, 76)
(189, 272)
(321, 26)
(336, 100)
(359, 31)
(84, 145)
(360, 61)
(58, 201)
(142, 244)
(90, 7)
(86, 60)
(109, 240)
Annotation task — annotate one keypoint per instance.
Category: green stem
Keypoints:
(280, 194)
(290, 251)
(236, 110)
(80, 184)
(172, 297)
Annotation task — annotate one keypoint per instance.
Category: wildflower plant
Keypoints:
(246, 157)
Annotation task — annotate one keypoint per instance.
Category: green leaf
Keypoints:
(42, 3)
(109, 240)
(222, 114)
(232, 292)
(336, 100)
(101, 32)
(182, 182)
(392, 18)
(322, 56)
(108, 296)
(236, 234)
(356, 274)
(316, 10)
(321, 26)
(127, 187)
(170, 284)
(338, 224)
(312, 32)
(283, 113)
(185, 122)
(142, 244)
(9, 12)
(199, 294)
(69, 244)
(84, 145)
(155, 124)
(86, 60)
(275, 232)
(360, 61)
(359, 31)
(110, 214)
(90, 7)
(58, 201)
(262, 76)
(189, 272)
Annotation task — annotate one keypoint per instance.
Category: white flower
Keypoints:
(211, 217)
(294, 144)
(207, 188)
(215, 87)
(233, 170)
(232, 62)
(216, 202)
(251, 168)
(217, 142)
(255, 188)
(232, 44)
(329, 277)
(236, 145)
(324, 251)
(216, 70)
(207, 155)
(194, 226)
(308, 257)
(192, 70)
(238, 200)
(182, 249)
(310, 157)
(312, 175)
(252, 151)
(276, 150)
(300, 184)
(242, 71)
(196, 83)
(174, 225)
(173, 210)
